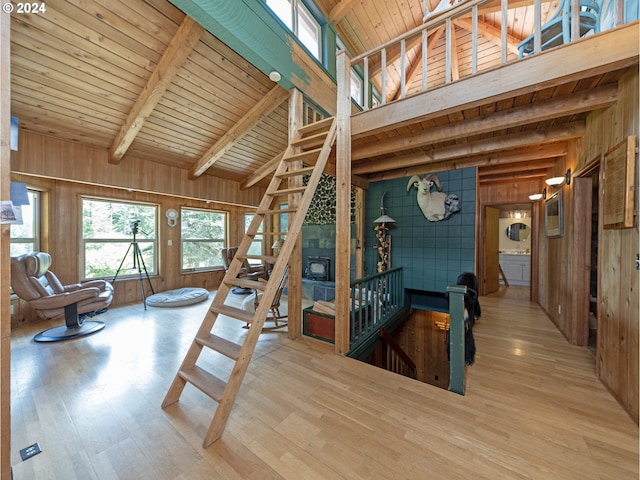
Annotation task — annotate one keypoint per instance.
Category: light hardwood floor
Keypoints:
(533, 408)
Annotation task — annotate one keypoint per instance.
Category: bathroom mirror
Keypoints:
(518, 232)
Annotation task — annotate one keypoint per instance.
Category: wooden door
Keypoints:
(489, 282)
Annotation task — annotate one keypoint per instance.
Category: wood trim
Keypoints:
(581, 257)
(5, 267)
(343, 204)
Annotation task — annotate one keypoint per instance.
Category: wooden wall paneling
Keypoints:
(425, 342)
(5, 267)
(617, 350)
(45, 156)
(62, 236)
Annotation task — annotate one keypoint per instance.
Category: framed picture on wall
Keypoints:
(619, 184)
(553, 218)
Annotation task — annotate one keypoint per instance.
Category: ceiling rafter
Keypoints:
(537, 112)
(259, 111)
(417, 64)
(490, 32)
(184, 41)
(341, 10)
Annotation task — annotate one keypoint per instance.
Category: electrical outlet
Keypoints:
(30, 451)
(559, 309)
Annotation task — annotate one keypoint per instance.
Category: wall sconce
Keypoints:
(538, 196)
(557, 182)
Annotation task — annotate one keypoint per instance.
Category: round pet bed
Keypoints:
(178, 298)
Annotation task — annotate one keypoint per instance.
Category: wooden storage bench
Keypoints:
(318, 325)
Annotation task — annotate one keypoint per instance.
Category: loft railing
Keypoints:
(374, 301)
(416, 61)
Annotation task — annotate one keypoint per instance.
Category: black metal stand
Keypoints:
(138, 264)
(75, 326)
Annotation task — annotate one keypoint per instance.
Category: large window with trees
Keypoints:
(25, 237)
(109, 232)
(295, 15)
(203, 234)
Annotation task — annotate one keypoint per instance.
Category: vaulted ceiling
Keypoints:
(143, 80)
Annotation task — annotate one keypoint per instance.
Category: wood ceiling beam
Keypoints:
(510, 177)
(417, 64)
(260, 110)
(262, 172)
(491, 33)
(184, 41)
(340, 10)
(531, 145)
(536, 112)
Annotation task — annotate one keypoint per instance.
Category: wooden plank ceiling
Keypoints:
(142, 80)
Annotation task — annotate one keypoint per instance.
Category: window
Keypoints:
(301, 22)
(25, 238)
(256, 244)
(118, 239)
(203, 234)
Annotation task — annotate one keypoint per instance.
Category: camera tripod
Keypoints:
(138, 263)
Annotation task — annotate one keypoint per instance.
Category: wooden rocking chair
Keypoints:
(251, 302)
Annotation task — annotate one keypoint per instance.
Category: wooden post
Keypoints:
(456, 338)
(294, 292)
(5, 266)
(343, 203)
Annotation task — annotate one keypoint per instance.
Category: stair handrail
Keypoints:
(399, 352)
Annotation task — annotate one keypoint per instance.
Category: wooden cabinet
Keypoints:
(517, 268)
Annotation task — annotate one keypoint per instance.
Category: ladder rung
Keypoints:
(310, 142)
(323, 124)
(287, 191)
(233, 312)
(278, 212)
(264, 258)
(297, 173)
(246, 283)
(220, 345)
(208, 384)
(276, 234)
(301, 156)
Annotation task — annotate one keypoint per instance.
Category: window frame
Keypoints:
(293, 24)
(35, 199)
(223, 240)
(115, 240)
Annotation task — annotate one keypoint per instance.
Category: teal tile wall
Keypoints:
(432, 254)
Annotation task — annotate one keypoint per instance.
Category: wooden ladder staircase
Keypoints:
(311, 146)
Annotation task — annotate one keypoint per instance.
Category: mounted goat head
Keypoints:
(435, 206)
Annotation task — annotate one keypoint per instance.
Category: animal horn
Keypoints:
(436, 181)
(412, 181)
